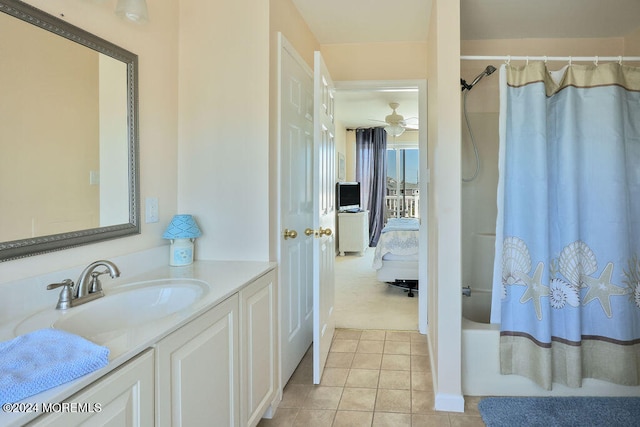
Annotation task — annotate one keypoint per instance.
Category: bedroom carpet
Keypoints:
(362, 302)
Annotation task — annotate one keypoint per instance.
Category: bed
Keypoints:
(396, 255)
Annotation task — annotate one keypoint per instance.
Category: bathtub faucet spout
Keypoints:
(466, 291)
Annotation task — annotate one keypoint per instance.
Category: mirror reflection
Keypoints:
(67, 147)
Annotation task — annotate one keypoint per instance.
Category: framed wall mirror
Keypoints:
(68, 135)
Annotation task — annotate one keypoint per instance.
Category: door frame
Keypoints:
(423, 255)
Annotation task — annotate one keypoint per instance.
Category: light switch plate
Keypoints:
(151, 210)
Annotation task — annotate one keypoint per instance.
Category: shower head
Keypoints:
(487, 71)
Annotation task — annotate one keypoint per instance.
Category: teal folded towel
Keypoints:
(43, 359)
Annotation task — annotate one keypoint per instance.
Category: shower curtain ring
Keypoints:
(508, 59)
(570, 61)
(596, 61)
(620, 60)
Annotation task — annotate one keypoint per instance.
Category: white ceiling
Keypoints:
(370, 21)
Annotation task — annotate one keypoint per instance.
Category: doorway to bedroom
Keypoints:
(362, 299)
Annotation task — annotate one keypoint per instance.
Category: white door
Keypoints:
(324, 216)
(295, 166)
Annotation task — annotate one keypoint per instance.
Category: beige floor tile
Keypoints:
(373, 335)
(314, 418)
(418, 337)
(339, 360)
(366, 361)
(397, 380)
(430, 420)
(294, 395)
(393, 401)
(366, 346)
(353, 419)
(347, 334)
(419, 348)
(422, 402)
(321, 397)
(420, 364)
(396, 362)
(284, 417)
(302, 375)
(421, 381)
(358, 399)
(398, 336)
(363, 378)
(465, 421)
(334, 377)
(344, 346)
(397, 347)
(471, 405)
(389, 419)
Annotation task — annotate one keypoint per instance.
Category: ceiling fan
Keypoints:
(396, 123)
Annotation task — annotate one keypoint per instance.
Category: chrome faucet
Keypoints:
(88, 286)
(88, 283)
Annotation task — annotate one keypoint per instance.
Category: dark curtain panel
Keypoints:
(371, 172)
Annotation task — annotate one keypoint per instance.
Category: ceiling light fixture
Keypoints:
(394, 130)
(133, 10)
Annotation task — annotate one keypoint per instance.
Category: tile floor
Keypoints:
(372, 378)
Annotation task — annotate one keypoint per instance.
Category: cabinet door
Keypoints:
(124, 397)
(198, 372)
(259, 369)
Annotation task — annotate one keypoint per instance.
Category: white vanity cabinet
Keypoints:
(215, 368)
(197, 369)
(258, 348)
(125, 398)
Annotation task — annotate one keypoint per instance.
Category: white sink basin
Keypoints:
(122, 308)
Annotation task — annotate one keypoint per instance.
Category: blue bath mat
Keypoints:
(560, 411)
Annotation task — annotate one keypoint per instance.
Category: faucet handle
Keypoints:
(66, 295)
(95, 285)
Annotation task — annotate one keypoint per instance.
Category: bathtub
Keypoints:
(481, 363)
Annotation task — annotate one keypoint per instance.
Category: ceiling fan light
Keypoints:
(394, 130)
(133, 10)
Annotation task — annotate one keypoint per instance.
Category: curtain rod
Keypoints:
(508, 58)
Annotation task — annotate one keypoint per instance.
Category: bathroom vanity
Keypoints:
(215, 358)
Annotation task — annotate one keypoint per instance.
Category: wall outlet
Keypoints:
(151, 210)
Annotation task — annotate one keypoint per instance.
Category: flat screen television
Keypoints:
(348, 195)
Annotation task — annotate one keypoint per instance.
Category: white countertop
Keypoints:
(224, 279)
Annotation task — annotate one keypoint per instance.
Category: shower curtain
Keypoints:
(567, 265)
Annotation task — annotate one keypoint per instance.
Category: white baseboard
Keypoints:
(449, 402)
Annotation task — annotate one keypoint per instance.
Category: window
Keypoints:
(403, 180)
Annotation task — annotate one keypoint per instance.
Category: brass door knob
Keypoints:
(325, 232)
(290, 234)
(321, 232)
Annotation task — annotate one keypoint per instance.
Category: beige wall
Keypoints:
(285, 18)
(376, 61)
(155, 43)
(632, 44)
(223, 172)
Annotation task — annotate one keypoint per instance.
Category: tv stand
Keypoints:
(353, 232)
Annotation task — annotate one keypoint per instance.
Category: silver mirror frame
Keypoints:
(38, 245)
